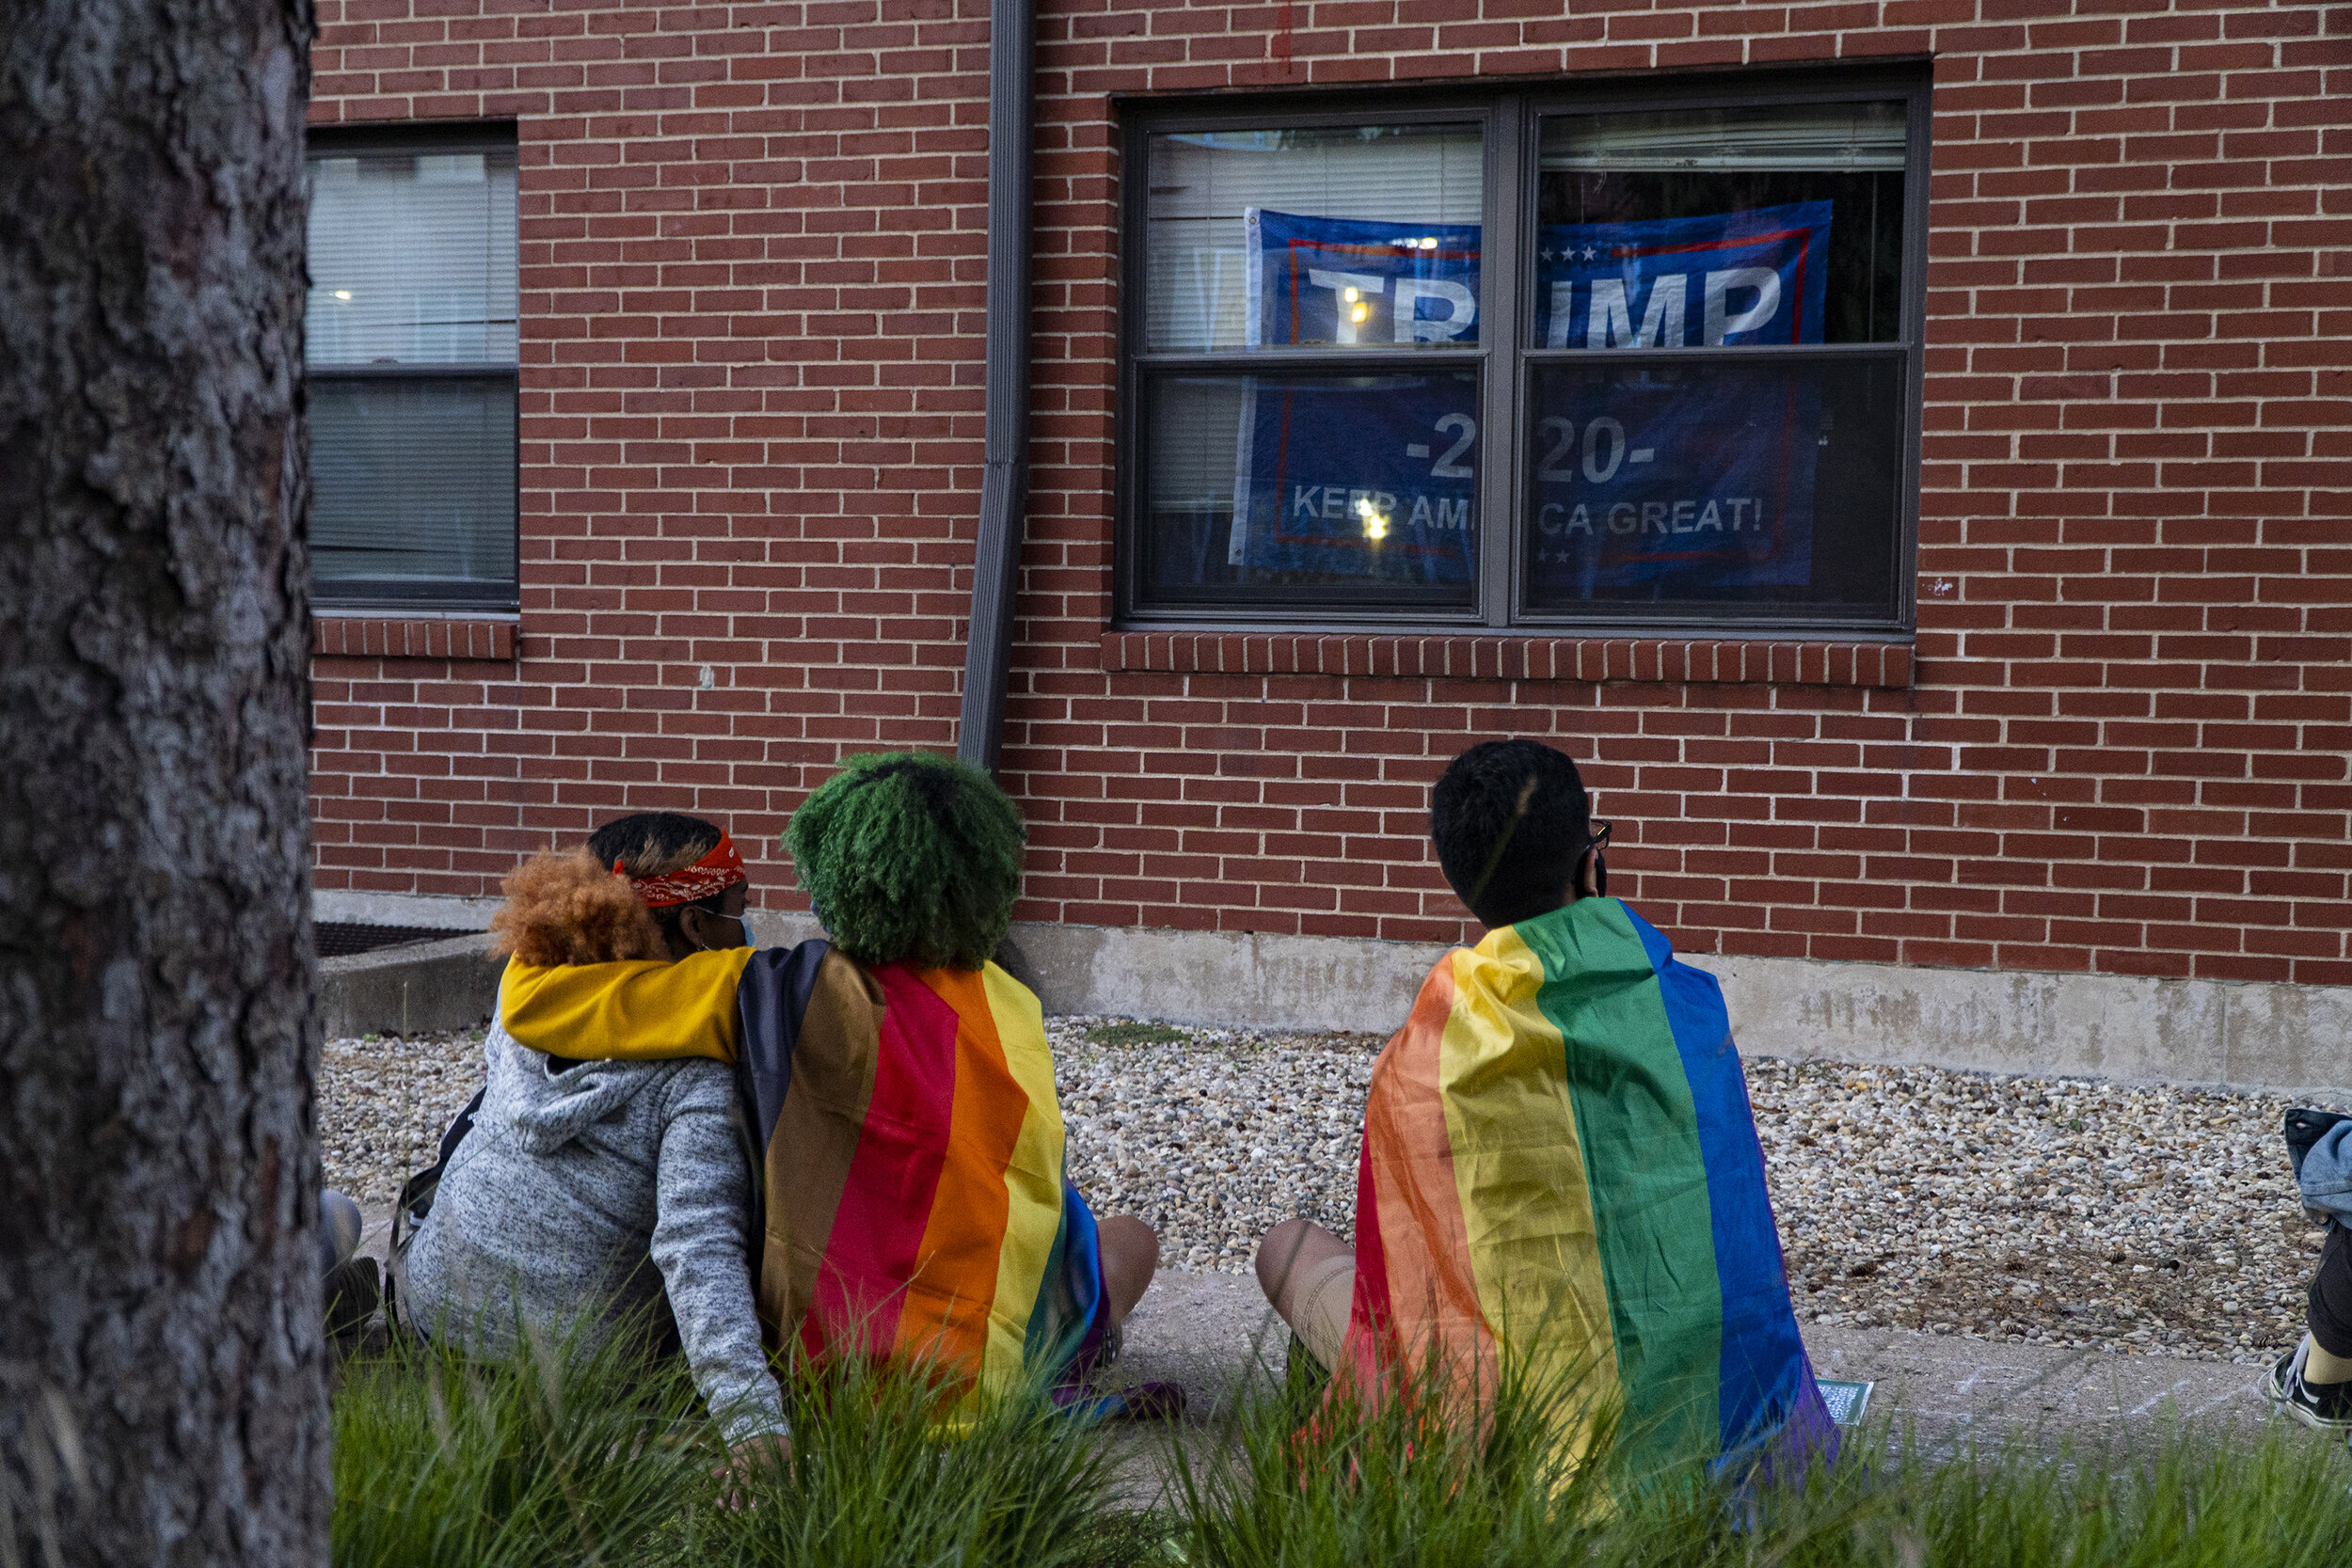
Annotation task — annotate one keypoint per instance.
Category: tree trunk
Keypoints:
(162, 1399)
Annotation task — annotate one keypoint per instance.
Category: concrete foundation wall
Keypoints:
(2273, 1036)
(419, 989)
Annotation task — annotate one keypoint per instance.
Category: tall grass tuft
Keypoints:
(1331, 1476)
(888, 1471)
(555, 1456)
(1321, 1478)
(560, 1456)
(2278, 1497)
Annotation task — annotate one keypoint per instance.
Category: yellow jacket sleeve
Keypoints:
(644, 1008)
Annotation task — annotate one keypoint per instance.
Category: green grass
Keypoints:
(555, 1459)
(551, 1458)
(885, 1471)
(1127, 1033)
(1388, 1484)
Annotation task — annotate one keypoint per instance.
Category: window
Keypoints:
(412, 362)
(1605, 359)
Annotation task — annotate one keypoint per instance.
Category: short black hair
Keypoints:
(1510, 819)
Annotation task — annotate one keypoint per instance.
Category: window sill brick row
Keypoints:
(398, 637)
(1517, 658)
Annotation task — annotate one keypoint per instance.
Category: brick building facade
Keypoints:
(751, 239)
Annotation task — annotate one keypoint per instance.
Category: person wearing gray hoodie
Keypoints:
(578, 1176)
(575, 1176)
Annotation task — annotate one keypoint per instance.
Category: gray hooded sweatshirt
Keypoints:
(575, 1173)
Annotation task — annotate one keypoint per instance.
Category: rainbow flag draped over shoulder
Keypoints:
(906, 1136)
(914, 1155)
(1559, 1160)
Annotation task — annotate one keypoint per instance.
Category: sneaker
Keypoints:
(2288, 1391)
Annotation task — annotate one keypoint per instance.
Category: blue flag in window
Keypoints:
(1754, 277)
(1676, 480)
(1343, 281)
(1365, 478)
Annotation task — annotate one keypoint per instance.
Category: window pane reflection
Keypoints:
(1701, 229)
(413, 481)
(1359, 236)
(1324, 488)
(1757, 484)
(412, 259)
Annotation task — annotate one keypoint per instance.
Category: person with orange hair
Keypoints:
(566, 1179)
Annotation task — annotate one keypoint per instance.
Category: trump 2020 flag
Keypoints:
(1344, 280)
(1683, 480)
(1560, 1164)
(1665, 481)
(1366, 478)
(1754, 277)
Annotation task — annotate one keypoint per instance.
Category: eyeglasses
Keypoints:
(1600, 833)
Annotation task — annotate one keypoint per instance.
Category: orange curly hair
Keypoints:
(569, 909)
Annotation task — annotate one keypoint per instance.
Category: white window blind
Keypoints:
(412, 259)
(1195, 438)
(1195, 265)
(412, 340)
(413, 479)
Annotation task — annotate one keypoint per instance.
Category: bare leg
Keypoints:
(1308, 1276)
(1131, 1255)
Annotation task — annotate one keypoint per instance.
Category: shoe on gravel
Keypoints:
(2332, 1412)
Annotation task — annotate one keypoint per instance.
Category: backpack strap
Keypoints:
(416, 1194)
(416, 1202)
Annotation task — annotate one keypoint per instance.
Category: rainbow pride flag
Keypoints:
(1560, 1164)
(912, 1205)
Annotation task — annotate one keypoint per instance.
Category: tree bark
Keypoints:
(162, 1399)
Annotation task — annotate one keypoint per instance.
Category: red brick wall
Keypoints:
(753, 273)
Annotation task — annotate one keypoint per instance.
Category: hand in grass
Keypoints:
(748, 1457)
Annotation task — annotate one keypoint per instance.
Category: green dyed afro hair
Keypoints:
(911, 859)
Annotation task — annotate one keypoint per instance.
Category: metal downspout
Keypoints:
(1004, 484)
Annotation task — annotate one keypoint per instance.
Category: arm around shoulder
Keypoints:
(700, 1243)
(639, 1009)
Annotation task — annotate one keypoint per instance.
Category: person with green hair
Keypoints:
(909, 1152)
(910, 857)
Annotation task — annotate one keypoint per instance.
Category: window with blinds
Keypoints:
(1613, 358)
(412, 331)
(1263, 249)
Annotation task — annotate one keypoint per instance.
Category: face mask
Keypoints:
(744, 920)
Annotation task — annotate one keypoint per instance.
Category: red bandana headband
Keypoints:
(716, 872)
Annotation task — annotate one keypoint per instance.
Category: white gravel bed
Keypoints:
(383, 1104)
(1214, 1136)
(2065, 1211)
(2051, 1211)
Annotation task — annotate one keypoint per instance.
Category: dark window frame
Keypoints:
(361, 594)
(1509, 119)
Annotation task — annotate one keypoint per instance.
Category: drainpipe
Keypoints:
(1004, 484)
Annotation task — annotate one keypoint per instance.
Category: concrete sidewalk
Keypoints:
(1208, 1331)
